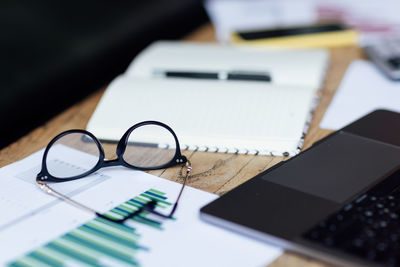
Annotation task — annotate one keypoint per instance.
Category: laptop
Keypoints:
(338, 201)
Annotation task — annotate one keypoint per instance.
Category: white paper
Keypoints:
(373, 19)
(186, 241)
(363, 89)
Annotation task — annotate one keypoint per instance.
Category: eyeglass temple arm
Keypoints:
(150, 206)
(188, 170)
(51, 191)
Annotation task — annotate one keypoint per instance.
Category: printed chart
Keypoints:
(99, 242)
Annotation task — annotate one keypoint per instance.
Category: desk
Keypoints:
(213, 172)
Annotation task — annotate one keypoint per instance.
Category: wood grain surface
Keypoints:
(213, 172)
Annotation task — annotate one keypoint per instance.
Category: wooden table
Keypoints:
(213, 172)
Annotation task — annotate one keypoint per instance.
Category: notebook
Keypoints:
(211, 111)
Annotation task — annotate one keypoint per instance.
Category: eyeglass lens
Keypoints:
(63, 165)
(150, 146)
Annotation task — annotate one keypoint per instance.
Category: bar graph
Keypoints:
(100, 242)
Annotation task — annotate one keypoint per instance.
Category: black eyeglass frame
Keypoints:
(44, 176)
(177, 159)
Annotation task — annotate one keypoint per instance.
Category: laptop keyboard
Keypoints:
(368, 227)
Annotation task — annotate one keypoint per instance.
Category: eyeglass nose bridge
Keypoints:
(112, 162)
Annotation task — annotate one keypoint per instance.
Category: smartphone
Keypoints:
(326, 35)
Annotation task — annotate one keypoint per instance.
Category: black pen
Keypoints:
(222, 75)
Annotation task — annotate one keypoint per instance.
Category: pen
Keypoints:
(222, 75)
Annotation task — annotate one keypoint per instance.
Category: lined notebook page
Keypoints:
(228, 115)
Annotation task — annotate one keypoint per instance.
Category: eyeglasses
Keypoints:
(148, 145)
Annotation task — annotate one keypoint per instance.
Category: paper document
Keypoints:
(363, 89)
(38, 229)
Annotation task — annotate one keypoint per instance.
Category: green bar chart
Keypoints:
(99, 242)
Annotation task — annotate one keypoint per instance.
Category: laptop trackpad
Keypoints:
(338, 168)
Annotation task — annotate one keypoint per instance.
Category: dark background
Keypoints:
(54, 53)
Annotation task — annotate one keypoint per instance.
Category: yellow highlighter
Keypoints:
(326, 35)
